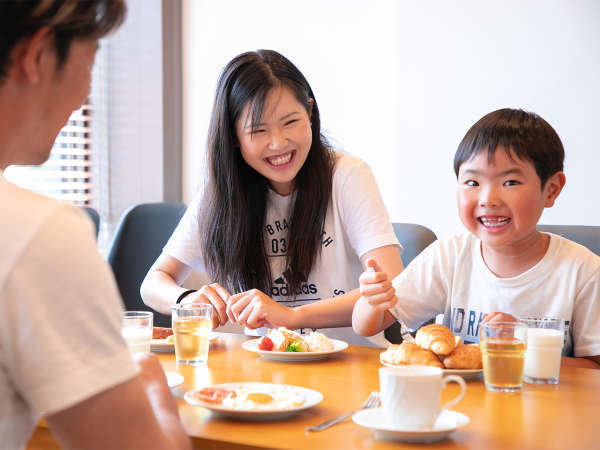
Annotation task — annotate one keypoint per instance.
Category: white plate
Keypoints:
(465, 373)
(252, 346)
(447, 422)
(311, 398)
(162, 346)
(174, 379)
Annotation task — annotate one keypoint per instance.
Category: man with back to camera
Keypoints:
(61, 353)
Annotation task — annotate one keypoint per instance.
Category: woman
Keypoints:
(282, 221)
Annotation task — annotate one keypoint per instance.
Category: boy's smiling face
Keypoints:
(501, 200)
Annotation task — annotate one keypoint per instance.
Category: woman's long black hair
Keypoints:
(235, 197)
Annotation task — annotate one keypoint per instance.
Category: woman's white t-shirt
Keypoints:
(356, 223)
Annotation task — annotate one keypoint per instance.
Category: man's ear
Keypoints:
(553, 187)
(35, 55)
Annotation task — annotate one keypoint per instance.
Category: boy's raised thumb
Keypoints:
(372, 265)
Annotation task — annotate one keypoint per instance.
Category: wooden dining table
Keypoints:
(566, 415)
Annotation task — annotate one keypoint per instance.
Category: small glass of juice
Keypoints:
(192, 325)
(503, 347)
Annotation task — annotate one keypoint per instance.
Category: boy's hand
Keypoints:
(376, 288)
(498, 317)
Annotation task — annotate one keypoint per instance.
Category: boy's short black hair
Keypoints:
(523, 134)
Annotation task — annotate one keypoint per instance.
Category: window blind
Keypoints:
(67, 175)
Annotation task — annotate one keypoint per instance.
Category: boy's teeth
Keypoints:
(495, 221)
(279, 160)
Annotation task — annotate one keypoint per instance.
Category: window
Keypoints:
(114, 152)
(67, 174)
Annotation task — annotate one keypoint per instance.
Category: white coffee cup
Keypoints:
(411, 395)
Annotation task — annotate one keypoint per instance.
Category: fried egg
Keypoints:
(260, 397)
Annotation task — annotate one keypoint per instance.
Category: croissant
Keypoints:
(464, 357)
(437, 338)
(410, 353)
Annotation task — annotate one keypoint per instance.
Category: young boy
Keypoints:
(509, 168)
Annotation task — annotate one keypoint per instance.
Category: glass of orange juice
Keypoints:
(192, 324)
(503, 350)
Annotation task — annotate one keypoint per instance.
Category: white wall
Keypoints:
(135, 109)
(400, 82)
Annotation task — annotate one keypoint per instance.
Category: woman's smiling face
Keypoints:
(278, 146)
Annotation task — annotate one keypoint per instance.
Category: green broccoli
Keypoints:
(295, 347)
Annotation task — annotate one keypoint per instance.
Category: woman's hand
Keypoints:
(376, 288)
(213, 294)
(255, 309)
(498, 317)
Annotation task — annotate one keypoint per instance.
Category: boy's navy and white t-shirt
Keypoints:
(356, 223)
(451, 277)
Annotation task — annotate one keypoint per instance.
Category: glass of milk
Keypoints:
(136, 329)
(545, 339)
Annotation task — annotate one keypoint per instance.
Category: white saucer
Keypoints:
(447, 422)
(174, 379)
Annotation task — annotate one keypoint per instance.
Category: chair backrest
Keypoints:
(414, 238)
(94, 216)
(140, 236)
(582, 234)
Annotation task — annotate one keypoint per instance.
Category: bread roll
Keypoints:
(410, 353)
(464, 357)
(437, 338)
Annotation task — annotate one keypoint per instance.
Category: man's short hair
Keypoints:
(520, 133)
(68, 19)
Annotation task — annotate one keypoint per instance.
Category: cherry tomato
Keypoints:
(265, 344)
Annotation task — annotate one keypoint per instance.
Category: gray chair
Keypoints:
(140, 236)
(582, 234)
(94, 216)
(414, 238)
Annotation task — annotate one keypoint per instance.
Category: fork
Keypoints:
(372, 401)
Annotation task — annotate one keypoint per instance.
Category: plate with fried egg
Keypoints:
(254, 400)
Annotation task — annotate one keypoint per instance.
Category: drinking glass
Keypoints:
(136, 329)
(192, 324)
(545, 338)
(503, 349)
